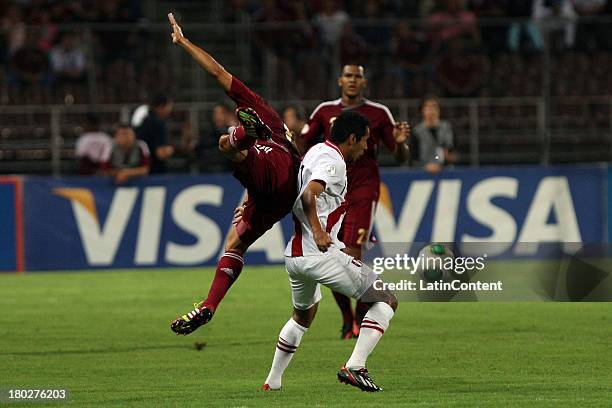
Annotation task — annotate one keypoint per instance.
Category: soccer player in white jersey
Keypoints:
(315, 257)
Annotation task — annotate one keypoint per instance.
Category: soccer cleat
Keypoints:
(266, 387)
(252, 124)
(348, 331)
(358, 378)
(189, 322)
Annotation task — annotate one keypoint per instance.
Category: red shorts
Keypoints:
(357, 225)
(269, 173)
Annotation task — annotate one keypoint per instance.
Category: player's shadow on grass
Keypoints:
(98, 351)
(189, 346)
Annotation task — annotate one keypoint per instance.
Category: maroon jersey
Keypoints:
(363, 173)
(269, 172)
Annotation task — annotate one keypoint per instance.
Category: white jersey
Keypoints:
(93, 145)
(323, 162)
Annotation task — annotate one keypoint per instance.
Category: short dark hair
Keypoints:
(429, 98)
(121, 125)
(347, 123)
(352, 64)
(299, 111)
(159, 100)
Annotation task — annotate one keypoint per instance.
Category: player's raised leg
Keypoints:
(228, 270)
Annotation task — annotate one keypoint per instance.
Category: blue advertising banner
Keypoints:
(608, 210)
(83, 223)
(494, 205)
(8, 247)
(77, 223)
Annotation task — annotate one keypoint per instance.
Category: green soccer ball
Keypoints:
(433, 259)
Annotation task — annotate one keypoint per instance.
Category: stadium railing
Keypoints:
(40, 138)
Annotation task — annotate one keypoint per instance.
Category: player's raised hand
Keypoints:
(177, 33)
(401, 132)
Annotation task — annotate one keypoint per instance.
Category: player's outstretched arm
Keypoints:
(309, 203)
(203, 58)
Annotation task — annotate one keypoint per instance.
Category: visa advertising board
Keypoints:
(91, 223)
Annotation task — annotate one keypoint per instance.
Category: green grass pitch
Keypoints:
(105, 337)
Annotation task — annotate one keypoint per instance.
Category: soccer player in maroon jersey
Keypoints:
(363, 174)
(265, 162)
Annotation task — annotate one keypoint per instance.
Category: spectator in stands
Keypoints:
(452, 21)
(432, 139)
(353, 48)
(295, 119)
(275, 40)
(14, 29)
(309, 76)
(376, 36)
(68, 60)
(544, 10)
(29, 70)
(91, 147)
(116, 44)
(462, 72)
(48, 29)
(411, 53)
(493, 35)
(330, 21)
(303, 37)
(127, 156)
(207, 154)
(154, 131)
(522, 10)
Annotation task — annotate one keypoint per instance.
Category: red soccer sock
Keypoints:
(228, 269)
(239, 139)
(344, 303)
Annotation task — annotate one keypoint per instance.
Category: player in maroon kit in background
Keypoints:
(363, 175)
(265, 162)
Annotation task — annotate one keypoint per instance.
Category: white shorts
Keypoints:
(336, 270)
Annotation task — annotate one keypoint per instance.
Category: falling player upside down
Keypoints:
(315, 256)
(265, 163)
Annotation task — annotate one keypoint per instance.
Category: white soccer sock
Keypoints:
(374, 324)
(288, 341)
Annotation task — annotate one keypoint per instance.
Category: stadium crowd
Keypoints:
(49, 49)
(74, 52)
(412, 48)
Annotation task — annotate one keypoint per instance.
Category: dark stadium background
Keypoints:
(544, 101)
